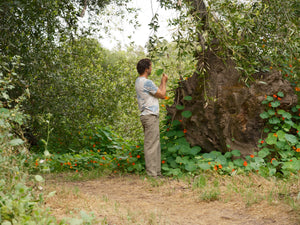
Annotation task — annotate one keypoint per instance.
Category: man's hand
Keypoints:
(165, 77)
(161, 92)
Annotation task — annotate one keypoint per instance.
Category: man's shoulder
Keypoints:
(140, 80)
(144, 81)
(149, 83)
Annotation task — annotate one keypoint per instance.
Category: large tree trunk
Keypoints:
(225, 112)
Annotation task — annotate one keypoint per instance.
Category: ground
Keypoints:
(206, 199)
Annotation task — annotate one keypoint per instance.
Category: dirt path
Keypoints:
(134, 200)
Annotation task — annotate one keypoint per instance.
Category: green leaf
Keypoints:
(184, 150)
(275, 162)
(159, 72)
(171, 133)
(221, 160)
(182, 141)
(186, 114)
(173, 164)
(274, 120)
(16, 142)
(228, 155)
(269, 98)
(39, 178)
(286, 127)
(238, 162)
(281, 135)
(215, 154)
(259, 160)
(236, 153)
(180, 107)
(280, 94)
(174, 149)
(271, 112)
(293, 165)
(4, 111)
(51, 194)
(204, 166)
(282, 145)
(287, 115)
(263, 153)
(176, 123)
(174, 172)
(286, 154)
(284, 114)
(272, 171)
(291, 138)
(195, 150)
(271, 139)
(190, 166)
(179, 133)
(184, 160)
(20, 187)
(264, 171)
(188, 98)
(207, 156)
(275, 104)
(264, 115)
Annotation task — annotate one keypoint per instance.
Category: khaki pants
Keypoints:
(152, 149)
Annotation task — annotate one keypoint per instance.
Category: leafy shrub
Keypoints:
(281, 148)
(101, 150)
(19, 204)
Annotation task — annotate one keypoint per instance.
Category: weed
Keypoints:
(105, 198)
(199, 182)
(117, 206)
(212, 194)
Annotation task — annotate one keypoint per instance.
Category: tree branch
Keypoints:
(84, 8)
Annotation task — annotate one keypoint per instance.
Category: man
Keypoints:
(147, 95)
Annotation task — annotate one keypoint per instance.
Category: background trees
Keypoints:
(65, 73)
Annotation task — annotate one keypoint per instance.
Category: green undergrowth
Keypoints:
(20, 202)
(106, 151)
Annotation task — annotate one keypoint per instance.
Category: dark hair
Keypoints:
(142, 65)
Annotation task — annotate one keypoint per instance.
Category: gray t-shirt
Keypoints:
(145, 90)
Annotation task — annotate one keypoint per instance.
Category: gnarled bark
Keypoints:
(224, 110)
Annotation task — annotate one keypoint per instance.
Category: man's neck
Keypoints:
(144, 75)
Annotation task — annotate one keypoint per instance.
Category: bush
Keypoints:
(19, 203)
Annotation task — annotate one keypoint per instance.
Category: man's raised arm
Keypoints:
(161, 91)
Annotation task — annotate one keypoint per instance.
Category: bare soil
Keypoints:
(133, 199)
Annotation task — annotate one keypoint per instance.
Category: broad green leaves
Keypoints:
(263, 152)
(188, 98)
(179, 107)
(186, 114)
(292, 139)
(282, 144)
